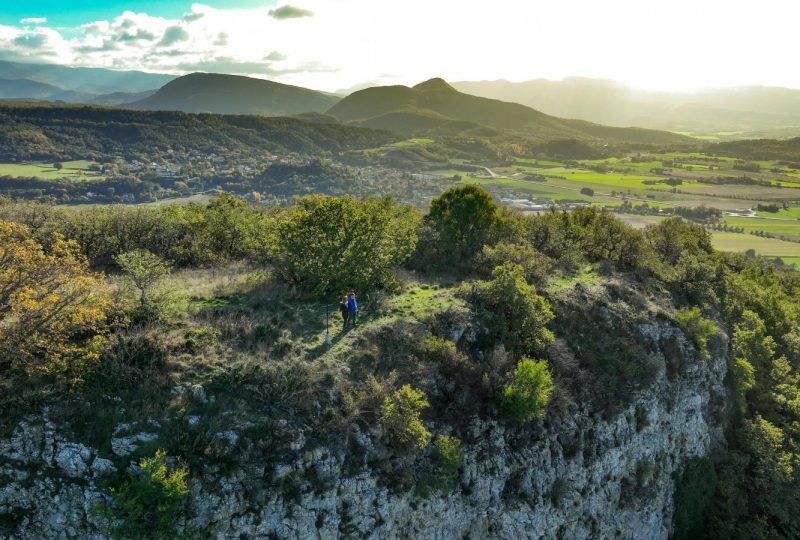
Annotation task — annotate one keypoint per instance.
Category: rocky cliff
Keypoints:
(582, 474)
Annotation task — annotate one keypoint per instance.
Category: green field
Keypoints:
(784, 213)
(768, 247)
(72, 169)
(409, 142)
(785, 227)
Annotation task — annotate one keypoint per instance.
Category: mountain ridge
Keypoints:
(434, 104)
(84, 79)
(746, 111)
(212, 93)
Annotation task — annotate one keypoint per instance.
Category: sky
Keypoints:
(343, 44)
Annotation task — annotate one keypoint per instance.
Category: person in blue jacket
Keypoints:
(352, 308)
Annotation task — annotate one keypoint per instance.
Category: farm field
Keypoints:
(785, 227)
(625, 179)
(789, 252)
(783, 213)
(46, 171)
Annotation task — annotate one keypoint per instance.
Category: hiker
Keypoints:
(352, 308)
(344, 309)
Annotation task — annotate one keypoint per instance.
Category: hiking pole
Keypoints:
(327, 328)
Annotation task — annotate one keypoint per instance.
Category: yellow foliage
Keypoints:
(53, 310)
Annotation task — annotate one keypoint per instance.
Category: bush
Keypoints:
(138, 351)
(400, 418)
(526, 396)
(448, 453)
(444, 354)
(673, 238)
(535, 265)
(696, 327)
(510, 311)
(198, 339)
(696, 278)
(148, 501)
(53, 310)
(147, 272)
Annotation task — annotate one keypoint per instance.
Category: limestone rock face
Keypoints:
(579, 475)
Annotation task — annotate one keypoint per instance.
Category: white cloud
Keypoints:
(33, 20)
(680, 44)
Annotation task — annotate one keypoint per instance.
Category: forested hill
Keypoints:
(43, 132)
(436, 107)
(760, 149)
(232, 94)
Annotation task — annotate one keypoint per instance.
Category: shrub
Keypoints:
(673, 238)
(146, 272)
(696, 278)
(444, 354)
(526, 395)
(148, 501)
(448, 453)
(439, 349)
(696, 327)
(535, 265)
(443, 476)
(510, 311)
(198, 339)
(53, 310)
(139, 351)
(400, 418)
(586, 232)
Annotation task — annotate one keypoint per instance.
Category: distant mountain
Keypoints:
(118, 98)
(84, 80)
(232, 94)
(727, 112)
(47, 131)
(435, 106)
(28, 89)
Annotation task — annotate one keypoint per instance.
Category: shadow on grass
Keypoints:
(264, 314)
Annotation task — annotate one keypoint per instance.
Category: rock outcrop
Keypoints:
(577, 475)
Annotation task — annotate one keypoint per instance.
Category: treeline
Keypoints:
(277, 180)
(758, 149)
(31, 132)
(734, 180)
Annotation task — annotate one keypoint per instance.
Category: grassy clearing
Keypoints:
(586, 276)
(420, 301)
(72, 169)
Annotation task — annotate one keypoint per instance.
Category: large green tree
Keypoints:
(462, 220)
(333, 244)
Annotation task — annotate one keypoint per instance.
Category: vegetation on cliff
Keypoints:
(511, 318)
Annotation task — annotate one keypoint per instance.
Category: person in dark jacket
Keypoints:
(352, 308)
(344, 309)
